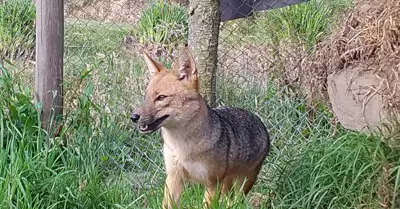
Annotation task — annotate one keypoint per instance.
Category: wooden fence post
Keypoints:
(204, 21)
(49, 59)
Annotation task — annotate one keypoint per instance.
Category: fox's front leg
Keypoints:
(172, 191)
(211, 194)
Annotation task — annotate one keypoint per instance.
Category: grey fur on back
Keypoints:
(242, 132)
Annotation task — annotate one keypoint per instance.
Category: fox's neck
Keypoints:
(198, 128)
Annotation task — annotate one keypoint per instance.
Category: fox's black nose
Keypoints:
(135, 118)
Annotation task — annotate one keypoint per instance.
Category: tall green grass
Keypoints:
(163, 23)
(305, 23)
(106, 164)
(17, 32)
(342, 172)
(99, 166)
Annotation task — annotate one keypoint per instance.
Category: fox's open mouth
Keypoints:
(148, 128)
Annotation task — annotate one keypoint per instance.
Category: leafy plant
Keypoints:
(16, 104)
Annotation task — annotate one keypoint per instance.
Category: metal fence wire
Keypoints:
(260, 68)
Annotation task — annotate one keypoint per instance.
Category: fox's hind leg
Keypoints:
(213, 192)
(251, 179)
(228, 190)
(227, 185)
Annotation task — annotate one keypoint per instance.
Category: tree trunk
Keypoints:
(49, 58)
(204, 20)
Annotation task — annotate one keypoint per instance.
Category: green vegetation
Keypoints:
(307, 23)
(100, 166)
(17, 33)
(106, 164)
(303, 23)
(100, 161)
(343, 172)
(163, 23)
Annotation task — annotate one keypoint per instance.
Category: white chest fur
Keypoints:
(197, 171)
(178, 161)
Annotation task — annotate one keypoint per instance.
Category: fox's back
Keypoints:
(243, 133)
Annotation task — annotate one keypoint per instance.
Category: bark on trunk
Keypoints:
(49, 58)
(204, 20)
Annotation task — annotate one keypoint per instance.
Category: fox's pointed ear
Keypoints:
(154, 66)
(185, 66)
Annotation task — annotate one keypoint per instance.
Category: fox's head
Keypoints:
(172, 97)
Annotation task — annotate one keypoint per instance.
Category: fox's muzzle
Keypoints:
(139, 114)
(135, 117)
(147, 123)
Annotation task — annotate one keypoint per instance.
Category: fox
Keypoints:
(214, 147)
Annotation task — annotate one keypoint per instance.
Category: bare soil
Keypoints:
(119, 11)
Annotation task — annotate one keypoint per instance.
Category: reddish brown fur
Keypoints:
(191, 134)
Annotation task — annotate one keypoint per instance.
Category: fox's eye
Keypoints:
(161, 97)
